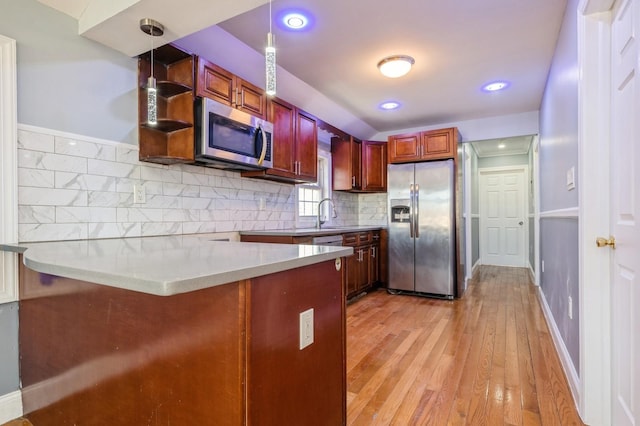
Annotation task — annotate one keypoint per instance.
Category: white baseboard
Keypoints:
(10, 406)
(563, 353)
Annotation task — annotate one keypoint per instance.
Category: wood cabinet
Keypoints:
(224, 355)
(216, 83)
(295, 144)
(423, 146)
(374, 166)
(359, 166)
(383, 255)
(374, 264)
(170, 140)
(363, 268)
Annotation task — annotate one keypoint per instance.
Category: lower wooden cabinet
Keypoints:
(363, 268)
(227, 355)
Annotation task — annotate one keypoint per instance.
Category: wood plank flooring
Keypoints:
(485, 359)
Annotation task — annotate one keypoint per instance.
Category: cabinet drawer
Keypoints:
(364, 237)
(350, 239)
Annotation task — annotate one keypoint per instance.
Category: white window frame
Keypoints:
(324, 183)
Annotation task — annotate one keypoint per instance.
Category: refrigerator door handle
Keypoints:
(416, 216)
(411, 211)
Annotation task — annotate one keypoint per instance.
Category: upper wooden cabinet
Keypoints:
(374, 166)
(306, 146)
(216, 83)
(359, 166)
(295, 144)
(170, 139)
(423, 146)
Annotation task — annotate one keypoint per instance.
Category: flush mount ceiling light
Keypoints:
(495, 86)
(396, 66)
(295, 21)
(389, 105)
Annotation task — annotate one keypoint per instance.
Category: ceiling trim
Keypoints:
(588, 7)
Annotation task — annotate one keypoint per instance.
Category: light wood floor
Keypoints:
(486, 359)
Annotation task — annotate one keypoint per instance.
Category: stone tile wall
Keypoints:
(73, 187)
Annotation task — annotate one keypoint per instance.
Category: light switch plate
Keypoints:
(306, 328)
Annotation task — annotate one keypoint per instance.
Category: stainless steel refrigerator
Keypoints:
(422, 242)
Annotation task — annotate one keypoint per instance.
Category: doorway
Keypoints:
(503, 225)
(505, 154)
(609, 206)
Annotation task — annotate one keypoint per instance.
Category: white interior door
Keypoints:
(503, 216)
(625, 198)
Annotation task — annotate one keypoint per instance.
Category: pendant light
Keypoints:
(154, 29)
(270, 60)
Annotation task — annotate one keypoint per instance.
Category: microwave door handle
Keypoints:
(263, 152)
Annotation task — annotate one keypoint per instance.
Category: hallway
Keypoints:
(486, 359)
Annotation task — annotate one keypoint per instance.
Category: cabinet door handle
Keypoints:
(353, 181)
(373, 252)
(238, 103)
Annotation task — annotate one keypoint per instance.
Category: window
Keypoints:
(310, 194)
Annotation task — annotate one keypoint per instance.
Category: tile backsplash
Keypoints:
(73, 187)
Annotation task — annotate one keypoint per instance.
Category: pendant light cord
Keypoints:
(269, 15)
(152, 76)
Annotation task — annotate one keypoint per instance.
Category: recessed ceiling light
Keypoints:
(389, 105)
(396, 66)
(495, 86)
(295, 21)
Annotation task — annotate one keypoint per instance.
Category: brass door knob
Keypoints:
(602, 242)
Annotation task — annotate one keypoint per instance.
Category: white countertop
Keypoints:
(168, 265)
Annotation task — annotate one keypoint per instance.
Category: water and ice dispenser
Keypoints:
(400, 211)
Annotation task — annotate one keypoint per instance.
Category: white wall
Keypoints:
(65, 81)
(558, 152)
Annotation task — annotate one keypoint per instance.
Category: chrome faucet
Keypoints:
(333, 207)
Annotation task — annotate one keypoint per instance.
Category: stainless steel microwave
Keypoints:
(228, 138)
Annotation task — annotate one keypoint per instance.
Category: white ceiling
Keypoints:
(458, 45)
(505, 146)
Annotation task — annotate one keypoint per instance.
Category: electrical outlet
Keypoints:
(543, 266)
(306, 328)
(139, 194)
(570, 308)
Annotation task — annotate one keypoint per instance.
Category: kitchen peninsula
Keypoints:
(181, 330)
